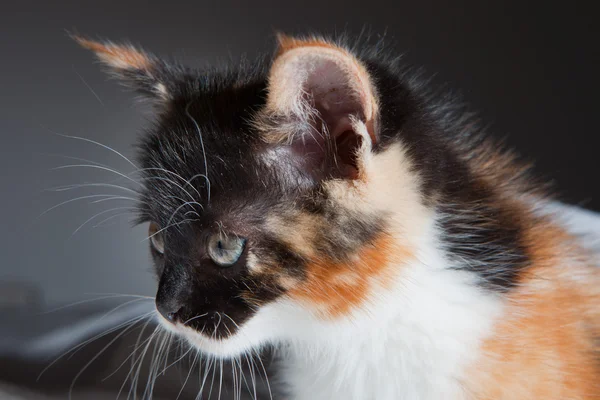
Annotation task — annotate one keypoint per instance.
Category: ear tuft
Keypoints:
(123, 57)
(133, 67)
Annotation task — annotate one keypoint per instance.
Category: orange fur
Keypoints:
(287, 43)
(125, 57)
(545, 347)
(335, 288)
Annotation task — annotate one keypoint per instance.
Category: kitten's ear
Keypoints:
(324, 102)
(135, 68)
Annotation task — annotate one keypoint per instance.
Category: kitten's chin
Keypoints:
(222, 348)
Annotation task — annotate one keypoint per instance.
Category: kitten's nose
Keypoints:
(169, 311)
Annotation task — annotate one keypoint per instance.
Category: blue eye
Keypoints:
(225, 250)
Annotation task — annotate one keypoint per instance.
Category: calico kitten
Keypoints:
(325, 203)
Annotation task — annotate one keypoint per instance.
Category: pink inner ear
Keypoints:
(334, 93)
(327, 83)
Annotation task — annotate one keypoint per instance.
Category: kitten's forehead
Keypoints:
(204, 150)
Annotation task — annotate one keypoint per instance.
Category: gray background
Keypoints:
(531, 70)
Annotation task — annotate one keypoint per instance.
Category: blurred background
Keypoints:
(529, 68)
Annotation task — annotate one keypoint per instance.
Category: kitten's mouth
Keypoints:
(221, 345)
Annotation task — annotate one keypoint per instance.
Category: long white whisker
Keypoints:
(74, 158)
(135, 377)
(97, 167)
(252, 374)
(91, 196)
(94, 359)
(175, 362)
(113, 198)
(187, 112)
(99, 214)
(136, 347)
(207, 368)
(80, 346)
(121, 306)
(96, 143)
(88, 86)
(160, 178)
(177, 210)
(109, 218)
(193, 318)
(80, 302)
(221, 379)
(119, 294)
(212, 379)
(82, 185)
(188, 182)
(188, 376)
(266, 376)
(151, 370)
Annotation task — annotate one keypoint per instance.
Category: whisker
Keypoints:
(135, 376)
(221, 379)
(170, 181)
(109, 218)
(188, 182)
(99, 214)
(207, 366)
(113, 198)
(177, 210)
(73, 158)
(193, 318)
(252, 375)
(188, 376)
(120, 294)
(112, 296)
(94, 359)
(94, 142)
(88, 86)
(121, 306)
(135, 348)
(91, 196)
(151, 370)
(175, 362)
(97, 167)
(187, 112)
(82, 185)
(80, 345)
(212, 380)
(266, 376)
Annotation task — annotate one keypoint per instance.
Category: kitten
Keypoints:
(326, 203)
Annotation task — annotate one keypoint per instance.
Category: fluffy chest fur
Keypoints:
(416, 342)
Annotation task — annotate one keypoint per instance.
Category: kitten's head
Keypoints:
(262, 193)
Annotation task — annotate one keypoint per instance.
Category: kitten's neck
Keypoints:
(415, 339)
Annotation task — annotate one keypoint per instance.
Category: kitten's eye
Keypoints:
(224, 250)
(156, 238)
